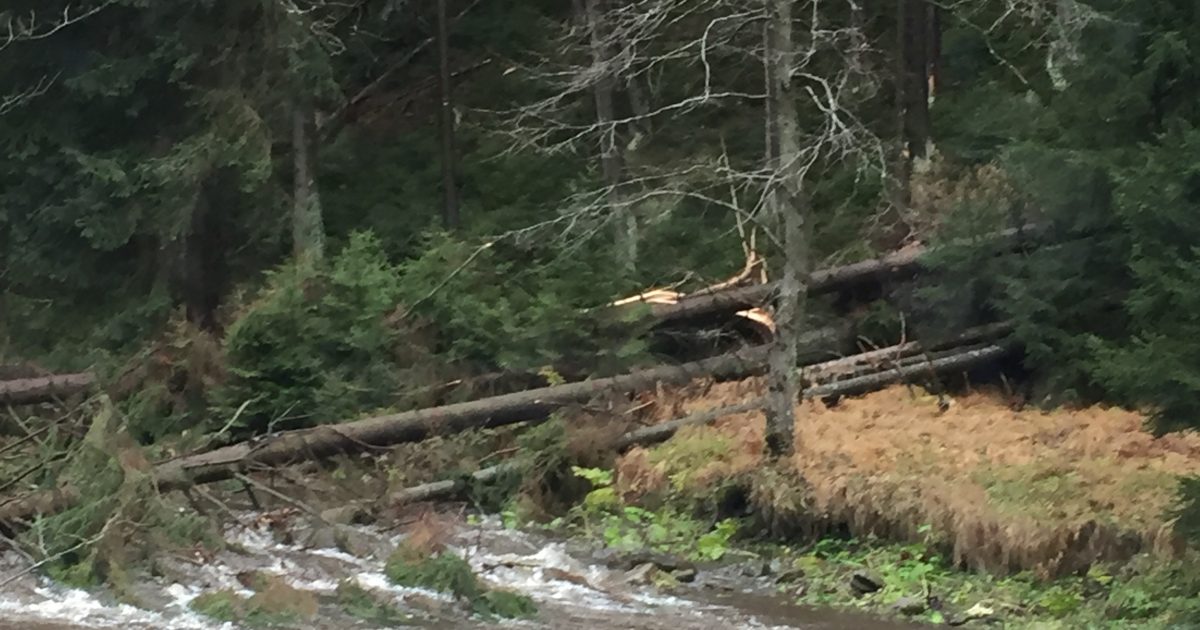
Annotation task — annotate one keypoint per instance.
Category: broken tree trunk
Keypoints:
(28, 391)
(823, 280)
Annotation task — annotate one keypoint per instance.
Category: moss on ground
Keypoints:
(446, 572)
(274, 603)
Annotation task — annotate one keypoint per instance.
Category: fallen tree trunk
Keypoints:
(664, 431)
(818, 345)
(823, 280)
(382, 432)
(898, 355)
(28, 391)
(413, 426)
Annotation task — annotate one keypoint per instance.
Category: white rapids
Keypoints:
(570, 591)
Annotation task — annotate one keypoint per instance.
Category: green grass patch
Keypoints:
(360, 603)
(447, 572)
(1145, 593)
(276, 604)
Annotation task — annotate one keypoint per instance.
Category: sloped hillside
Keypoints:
(1007, 490)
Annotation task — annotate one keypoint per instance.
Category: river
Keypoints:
(570, 586)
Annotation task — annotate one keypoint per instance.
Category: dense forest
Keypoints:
(227, 219)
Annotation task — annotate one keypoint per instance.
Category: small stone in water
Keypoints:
(641, 574)
(685, 575)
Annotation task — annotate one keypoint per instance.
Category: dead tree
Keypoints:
(447, 124)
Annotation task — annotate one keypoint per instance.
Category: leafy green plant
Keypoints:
(715, 544)
(630, 527)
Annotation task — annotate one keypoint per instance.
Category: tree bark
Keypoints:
(788, 211)
(308, 225)
(891, 265)
(913, 22)
(451, 218)
(610, 152)
(204, 265)
(5, 280)
(29, 391)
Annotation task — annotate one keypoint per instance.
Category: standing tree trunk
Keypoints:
(308, 226)
(787, 207)
(203, 257)
(913, 20)
(933, 55)
(5, 280)
(450, 199)
(610, 153)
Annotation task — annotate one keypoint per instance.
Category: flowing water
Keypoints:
(572, 588)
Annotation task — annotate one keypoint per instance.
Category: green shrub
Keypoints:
(317, 344)
(508, 306)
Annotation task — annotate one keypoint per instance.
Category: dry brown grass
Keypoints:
(1005, 490)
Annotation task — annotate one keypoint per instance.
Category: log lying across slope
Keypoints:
(825, 280)
(385, 431)
(414, 426)
(953, 360)
(28, 391)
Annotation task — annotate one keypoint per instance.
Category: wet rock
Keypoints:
(863, 583)
(664, 561)
(362, 544)
(555, 573)
(254, 580)
(909, 606)
(350, 514)
(789, 576)
(172, 569)
(317, 537)
(642, 574)
(610, 558)
(760, 568)
(686, 575)
(625, 561)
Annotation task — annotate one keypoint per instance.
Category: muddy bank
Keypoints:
(570, 585)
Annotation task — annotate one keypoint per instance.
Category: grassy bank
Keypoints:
(1038, 519)
(1004, 490)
